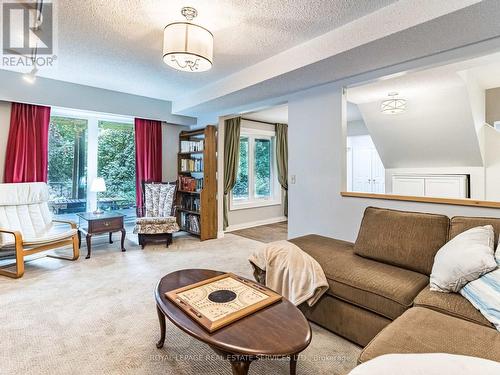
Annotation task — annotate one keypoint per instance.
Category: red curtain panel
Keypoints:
(27, 147)
(148, 154)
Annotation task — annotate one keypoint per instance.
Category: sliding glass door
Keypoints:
(82, 147)
(116, 164)
(67, 177)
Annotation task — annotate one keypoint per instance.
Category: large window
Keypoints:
(116, 164)
(83, 146)
(68, 164)
(256, 184)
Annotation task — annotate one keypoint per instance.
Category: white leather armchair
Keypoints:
(26, 224)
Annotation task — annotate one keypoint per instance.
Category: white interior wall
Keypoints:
(357, 127)
(69, 95)
(437, 129)
(492, 156)
(4, 133)
(316, 132)
(170, 148)
(492, 105)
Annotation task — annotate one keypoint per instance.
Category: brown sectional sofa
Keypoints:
(379, 295)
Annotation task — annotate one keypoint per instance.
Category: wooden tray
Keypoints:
(216, 302)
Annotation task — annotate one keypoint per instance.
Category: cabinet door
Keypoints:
(445, 187)
(408, 186)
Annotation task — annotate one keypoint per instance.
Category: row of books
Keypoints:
(191, 203)
(190, 222)
(191, 165)
(187, 183)
(191, 146)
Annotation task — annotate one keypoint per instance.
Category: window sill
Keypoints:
(254, 204)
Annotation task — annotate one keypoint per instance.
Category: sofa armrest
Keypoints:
(71, 223)
(18, 237)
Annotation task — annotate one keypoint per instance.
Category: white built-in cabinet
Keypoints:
(365, 171)
(431, 185)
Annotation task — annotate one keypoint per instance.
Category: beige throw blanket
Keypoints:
(291, 272)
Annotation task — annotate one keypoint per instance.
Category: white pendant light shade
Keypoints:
(188, 47)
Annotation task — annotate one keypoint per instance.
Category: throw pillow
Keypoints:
(484, 293)
(463, 259)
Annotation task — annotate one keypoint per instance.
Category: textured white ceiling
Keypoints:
(116, 44)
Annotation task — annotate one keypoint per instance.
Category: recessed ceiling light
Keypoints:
(394, 105)
(186, 46)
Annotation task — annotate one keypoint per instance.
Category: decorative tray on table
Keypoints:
(216, 302)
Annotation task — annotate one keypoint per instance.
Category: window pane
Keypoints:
(240, 190)
(262, 168)
(67, 170)
(116, 164)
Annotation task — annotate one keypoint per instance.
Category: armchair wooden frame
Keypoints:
(21, 252)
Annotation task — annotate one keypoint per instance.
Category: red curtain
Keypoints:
(26, 158)
(148, 155)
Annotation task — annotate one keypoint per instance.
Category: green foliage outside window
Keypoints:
(116, 161)
(262, 160)
(240, 190)
(262, 168)
(67, 171)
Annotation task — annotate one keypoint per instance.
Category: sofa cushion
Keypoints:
(321, 248)
(379, 287)
(459, 224)
(421, 330)
(452, 304)
(405, 239)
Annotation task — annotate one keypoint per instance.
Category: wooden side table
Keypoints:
(108, 222)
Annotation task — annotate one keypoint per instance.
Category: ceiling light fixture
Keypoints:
(186, 46)
(394, 105)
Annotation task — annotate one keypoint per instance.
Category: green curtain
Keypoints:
(231, 159)
(282, 160)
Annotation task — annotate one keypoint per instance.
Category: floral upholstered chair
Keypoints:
(156, 221)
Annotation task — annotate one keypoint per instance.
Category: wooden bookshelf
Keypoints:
(197, 165)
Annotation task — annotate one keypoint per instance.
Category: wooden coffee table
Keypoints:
(279, 330)
(107, 222)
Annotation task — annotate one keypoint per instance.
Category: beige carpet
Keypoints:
(98, 316)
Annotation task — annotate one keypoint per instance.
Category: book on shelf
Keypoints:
(191, 165)
(187, 183)
(190, 203)
(191, 146)
(190, 222)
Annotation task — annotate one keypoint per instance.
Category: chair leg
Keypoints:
(19, 264)
(76, 251)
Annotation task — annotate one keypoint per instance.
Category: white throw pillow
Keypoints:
(463, 259)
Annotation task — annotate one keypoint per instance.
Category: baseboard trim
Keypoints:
(251, 224)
